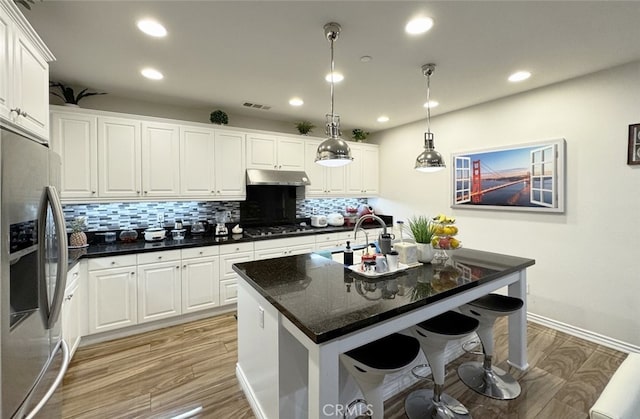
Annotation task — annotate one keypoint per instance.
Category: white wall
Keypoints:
(587, 259)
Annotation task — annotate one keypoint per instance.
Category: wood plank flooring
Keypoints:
(168, 372)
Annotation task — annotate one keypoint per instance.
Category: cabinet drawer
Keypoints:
(200, 252)
(285, 243)
(112, 262)
(227, 249)
(153, 257)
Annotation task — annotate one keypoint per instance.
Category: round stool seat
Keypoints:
(388, 353)
(500, 304)
(449, 325)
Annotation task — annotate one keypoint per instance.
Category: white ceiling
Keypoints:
(219, 54)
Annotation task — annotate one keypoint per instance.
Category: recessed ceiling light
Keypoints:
(418, 25)
(366, 58)
(383, 118)
(519, 76)
(337, 77)
(152, 74)
(152, 28)
(296, 101)
(431, 104)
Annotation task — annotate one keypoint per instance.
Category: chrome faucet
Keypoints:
(365, 217)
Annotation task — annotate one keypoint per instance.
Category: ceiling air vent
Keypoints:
(256, 106)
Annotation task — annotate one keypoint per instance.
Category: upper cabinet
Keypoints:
(119, 161)
(24, 73)
(363, 172)
(160, 160)
(274, 153)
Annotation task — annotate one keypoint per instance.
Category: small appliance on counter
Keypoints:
(178, 234)
(154, 234)
(128, 236)
(335, 219)
(222, 218)
(198, 228)
(318, 220)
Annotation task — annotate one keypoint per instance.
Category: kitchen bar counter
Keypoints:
(296, 315)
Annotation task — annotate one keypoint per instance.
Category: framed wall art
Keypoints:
(524, 177)
(633, 152)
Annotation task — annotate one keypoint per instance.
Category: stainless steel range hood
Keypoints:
(277, 177)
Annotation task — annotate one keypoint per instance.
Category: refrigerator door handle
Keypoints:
(56, 383)
(50, 197)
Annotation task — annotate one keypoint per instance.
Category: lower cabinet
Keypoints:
(200, 276)
(266, 249)
(159, 288)
(112, 293)
(230, 254)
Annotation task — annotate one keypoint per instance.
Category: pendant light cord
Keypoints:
(331, 39)
(429, 102)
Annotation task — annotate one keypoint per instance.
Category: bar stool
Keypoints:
(368, 365)
(434, 335)
(482, 377)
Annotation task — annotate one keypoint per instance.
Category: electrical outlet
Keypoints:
(527, 288)
(261, 317)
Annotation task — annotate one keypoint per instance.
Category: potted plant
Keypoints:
(78, 238)
(423, 230)
(304, 127)
(68, 95)
(359, 135)
(219, 117)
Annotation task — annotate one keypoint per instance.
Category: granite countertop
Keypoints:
(119, 248)
(326, 300)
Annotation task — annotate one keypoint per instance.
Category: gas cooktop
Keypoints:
(282, 230)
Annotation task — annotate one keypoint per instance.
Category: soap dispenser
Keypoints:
(348, 255)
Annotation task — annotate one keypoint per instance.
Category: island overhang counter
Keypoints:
(297, 314)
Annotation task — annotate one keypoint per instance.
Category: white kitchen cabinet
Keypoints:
(200, 279)
(333, 240)
(274, 153)
(160, 160)
(159, 285)
(363, 172)
(266, 249)
(325, 181)
(212, 163)
(119, 160)
(112, 293)
(230, 165)
(74, 137)
(71, 311)
(230, 254)
(24, 73)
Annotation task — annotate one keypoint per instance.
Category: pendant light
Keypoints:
(334, 151)
(429, 160)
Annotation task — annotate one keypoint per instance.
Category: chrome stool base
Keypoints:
(420, 405)
(493, 382)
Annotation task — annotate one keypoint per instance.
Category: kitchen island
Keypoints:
(296, 315)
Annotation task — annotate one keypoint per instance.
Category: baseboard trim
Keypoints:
(584, 334)
(248, 392)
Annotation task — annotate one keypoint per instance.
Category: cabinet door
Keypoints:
(200, 284)
(370, 170)
(75, 138)
(71, 320)
(230, 166)
(291, 154)
(159, 291)
(335, 180)
(119, 148)
(160, 160)
(112, 299)
(354, 170)
(31, 86)
(262, 151)
(229, 277)
(197, 174)
(315, 172)
(5, 64)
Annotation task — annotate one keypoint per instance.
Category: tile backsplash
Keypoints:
(126, 215)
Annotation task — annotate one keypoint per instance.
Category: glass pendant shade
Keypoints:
(334, 151)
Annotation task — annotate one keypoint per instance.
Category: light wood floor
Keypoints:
(165, 373)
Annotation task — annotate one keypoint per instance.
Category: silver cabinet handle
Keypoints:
(133, 273)
(184, 266)
(178, 267)
(19, 111)
(93, 192)
(146, 192)
(138, 192)
(159, 257)
(113, 263)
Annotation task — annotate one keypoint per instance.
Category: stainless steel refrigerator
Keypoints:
(33, 276)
